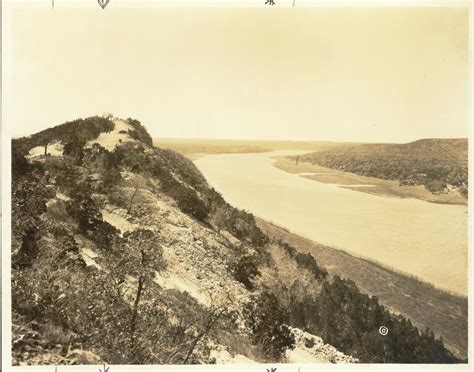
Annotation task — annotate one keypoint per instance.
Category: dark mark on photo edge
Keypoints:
(102, 3)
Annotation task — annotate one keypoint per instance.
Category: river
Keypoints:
(423, 239)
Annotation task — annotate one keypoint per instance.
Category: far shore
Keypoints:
(425, 305)
(196, 148)
(370, 185)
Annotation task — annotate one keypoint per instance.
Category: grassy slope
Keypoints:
(425, 305)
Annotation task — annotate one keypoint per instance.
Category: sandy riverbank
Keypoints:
(370, 185)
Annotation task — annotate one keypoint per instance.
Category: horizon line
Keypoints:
(301, 140)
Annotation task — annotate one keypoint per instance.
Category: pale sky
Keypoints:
(360, 74)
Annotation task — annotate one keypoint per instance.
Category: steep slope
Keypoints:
(122, 253)
(424, 305)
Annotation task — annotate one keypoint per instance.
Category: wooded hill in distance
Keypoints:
(438, 164)
(122, 253)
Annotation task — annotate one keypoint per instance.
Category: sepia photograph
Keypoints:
(266, 184)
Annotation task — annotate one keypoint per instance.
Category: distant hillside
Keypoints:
(194, 148)
(438, 164)
(122, 253)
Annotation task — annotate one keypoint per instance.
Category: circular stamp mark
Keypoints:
(383, 331)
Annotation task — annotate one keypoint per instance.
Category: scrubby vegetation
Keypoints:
(139, 133)
(246, 270)
(434, 163)
(350, 321)
(267, 322)
(110, 303)
(95, 309)
(418, 301)
(305, 261)
(73, 133)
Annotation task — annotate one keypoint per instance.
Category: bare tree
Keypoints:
(131, 199)
(144, 258)
(215, 315)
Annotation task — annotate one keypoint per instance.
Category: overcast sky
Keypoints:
(360, 74)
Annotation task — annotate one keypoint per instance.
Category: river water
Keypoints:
(416, 237)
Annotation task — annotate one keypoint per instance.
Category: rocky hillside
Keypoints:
(122, 253)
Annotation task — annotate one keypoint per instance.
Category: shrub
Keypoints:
(74, 147)
(28, 204)
(20, 166)
(183, 168)
(305, 261)
(463, 190)
(240, 223)
(435, 186)
(309, 342)
(58, 211)
(189, 202)
(82, 129)
(239, 343)
(349, 320)
(186, 198)
(110, 178)
(245, 271)
(88, 216)
(139, 133)
(104, 234)
(267, 323)
(55, 335)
